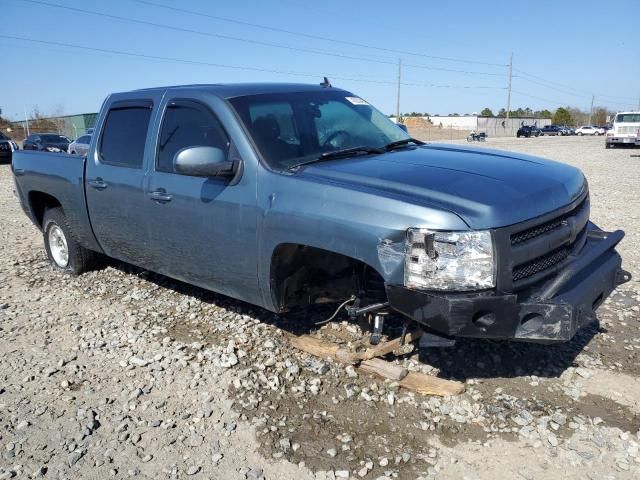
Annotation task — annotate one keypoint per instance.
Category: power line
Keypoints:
(315, 37)
(570, 87)
(554, 102)
(606, 101)
(468, 72)
(241, 39)
(566, 92)
(182, 60)
(238, 67)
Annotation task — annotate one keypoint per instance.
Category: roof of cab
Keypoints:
(231, 90)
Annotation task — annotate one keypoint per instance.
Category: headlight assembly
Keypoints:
(455, 261)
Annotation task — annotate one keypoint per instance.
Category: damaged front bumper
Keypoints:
(547, 312)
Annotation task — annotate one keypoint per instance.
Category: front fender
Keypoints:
(365, 226)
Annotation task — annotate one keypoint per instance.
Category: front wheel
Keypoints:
(64, 252)
(579, 134)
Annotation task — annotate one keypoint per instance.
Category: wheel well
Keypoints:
(40, 202)
(302, 275)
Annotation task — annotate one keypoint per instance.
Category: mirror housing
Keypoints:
(403, 127)
(204, 162)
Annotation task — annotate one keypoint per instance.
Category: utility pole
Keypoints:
(26, 120)
(398, 96)
(593, 97)
(510, 76)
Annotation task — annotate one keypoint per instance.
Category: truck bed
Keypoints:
(41, 176)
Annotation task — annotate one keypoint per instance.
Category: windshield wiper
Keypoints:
(401, 143)
(344, 153)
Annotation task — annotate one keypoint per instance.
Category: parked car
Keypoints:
(285, 195)
(551, 130)
(46, 142)
(528, 131)
(568, 130)
(587, 130)
(80, 146)
(7, 147)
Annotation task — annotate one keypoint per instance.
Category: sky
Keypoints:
(454, 54)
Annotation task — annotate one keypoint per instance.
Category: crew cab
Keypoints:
(285, 195)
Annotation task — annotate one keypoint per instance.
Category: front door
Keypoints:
(202, 229)
(115, 179)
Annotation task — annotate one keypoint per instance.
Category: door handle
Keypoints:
(18, 172)
(98, 184)
(160, 196)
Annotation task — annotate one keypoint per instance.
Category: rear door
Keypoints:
(114, 180)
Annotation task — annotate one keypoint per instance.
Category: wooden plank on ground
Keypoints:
(417, 382)
(428, 385)
(384, 369)
(385, 348)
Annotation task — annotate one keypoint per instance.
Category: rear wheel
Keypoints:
(64, 252)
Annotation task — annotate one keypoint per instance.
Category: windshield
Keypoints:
(55, 138)
(628, 118)
(291, 128)
(3, 136)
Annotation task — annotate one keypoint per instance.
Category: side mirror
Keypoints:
(403, 127)
(204, 162)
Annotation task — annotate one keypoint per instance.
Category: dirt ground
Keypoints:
(122, 373)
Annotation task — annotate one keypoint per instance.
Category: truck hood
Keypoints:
(486, 188)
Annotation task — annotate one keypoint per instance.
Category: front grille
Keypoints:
(542, 263)
(5, 147)
(627, 129)
(538, 230)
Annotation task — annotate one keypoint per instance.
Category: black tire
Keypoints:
(79, 259)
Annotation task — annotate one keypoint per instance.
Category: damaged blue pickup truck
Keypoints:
(286, 195)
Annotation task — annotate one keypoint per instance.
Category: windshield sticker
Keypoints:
(356, 100)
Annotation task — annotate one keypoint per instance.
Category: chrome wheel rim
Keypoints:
(58, 246)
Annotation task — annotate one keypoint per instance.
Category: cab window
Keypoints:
(188, 124)
(124, 135)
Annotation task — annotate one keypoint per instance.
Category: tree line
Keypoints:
(38, 123)
(571, 116)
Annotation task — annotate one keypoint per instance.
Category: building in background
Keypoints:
(492, 126)
(72, 126)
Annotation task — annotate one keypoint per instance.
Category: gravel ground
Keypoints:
(123, 373)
